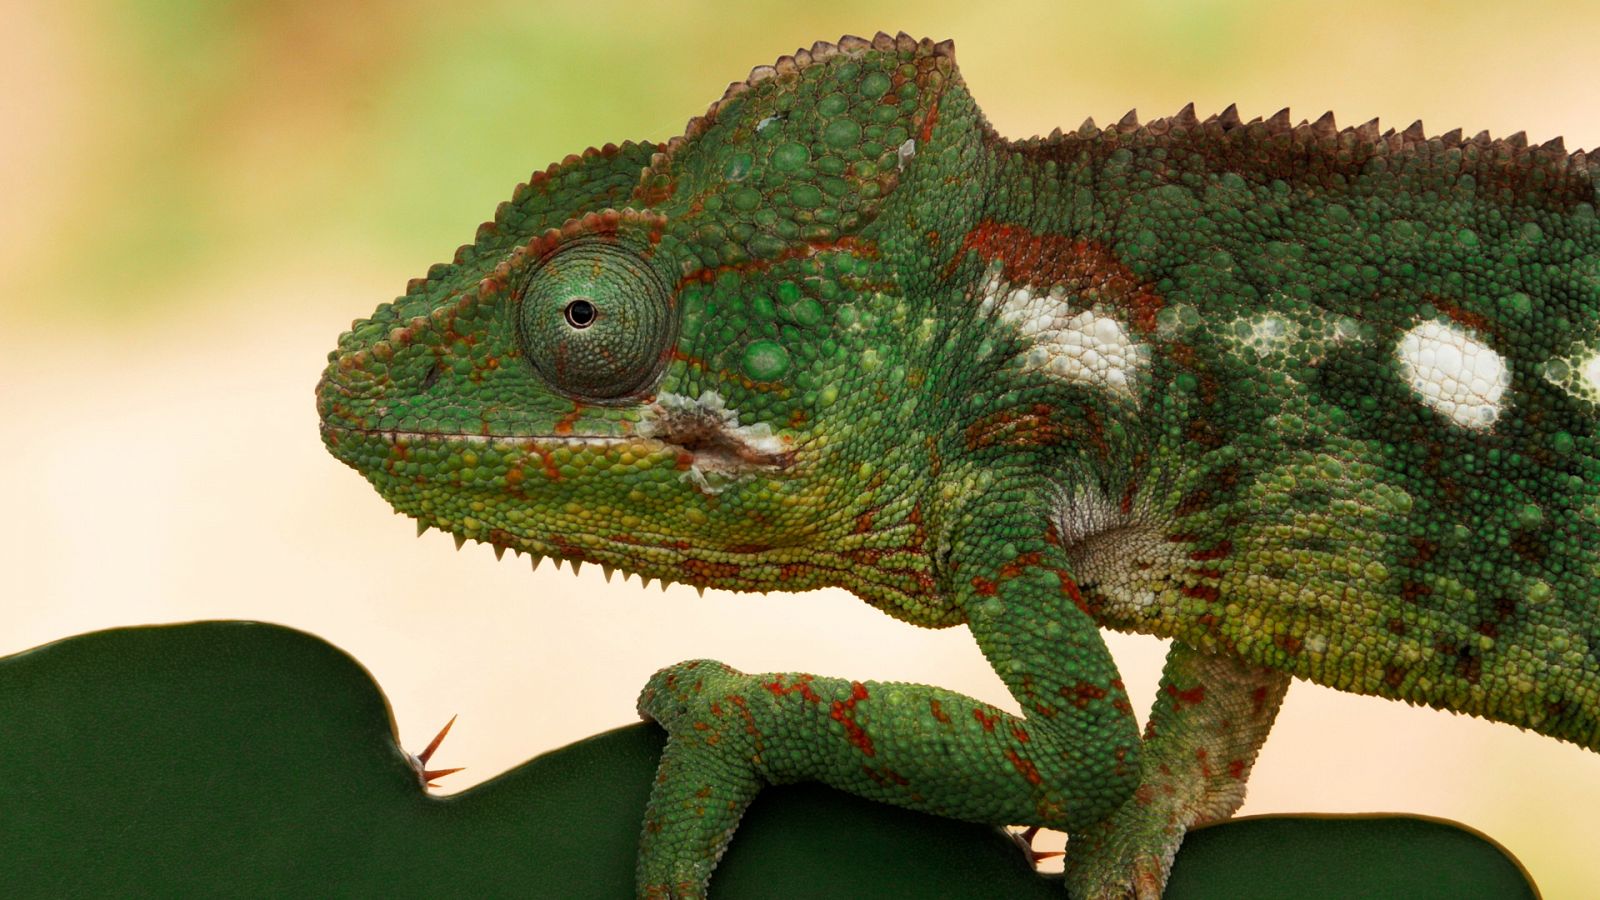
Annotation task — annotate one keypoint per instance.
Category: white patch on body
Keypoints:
(904, 153)
(1577, 372)
(1590, 372)
(1454, 373)
(1269, 334)
(1088, 346)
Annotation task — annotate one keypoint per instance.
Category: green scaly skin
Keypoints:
(1310, 402)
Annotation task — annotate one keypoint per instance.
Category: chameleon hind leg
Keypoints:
(1069, 761)
(1209, 720)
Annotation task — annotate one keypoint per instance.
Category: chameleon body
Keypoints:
(1310, 402)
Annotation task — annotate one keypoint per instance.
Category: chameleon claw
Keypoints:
(1024, 841)
(420, 761)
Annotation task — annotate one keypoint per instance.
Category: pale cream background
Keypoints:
(198, 197)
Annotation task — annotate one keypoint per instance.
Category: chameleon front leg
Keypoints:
(1069, 761)
(1209, 720)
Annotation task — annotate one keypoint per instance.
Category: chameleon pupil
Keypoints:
(580, 313)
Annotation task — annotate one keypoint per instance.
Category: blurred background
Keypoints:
(200, 195)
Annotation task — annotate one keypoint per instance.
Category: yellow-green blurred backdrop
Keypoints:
(195, 197)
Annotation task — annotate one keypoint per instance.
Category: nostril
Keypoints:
(431, 377)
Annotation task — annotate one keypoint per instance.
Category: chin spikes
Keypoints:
(422, 528)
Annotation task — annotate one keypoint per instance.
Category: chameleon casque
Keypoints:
(1310, 402)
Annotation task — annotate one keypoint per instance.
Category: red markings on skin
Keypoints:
(1025, 767)
(843, 712)
(1020, 734)
(688, 359)
(885, 776)
(1035, 426)
(1289, 643)
(1193, 502)
(1191, 697)
(1020, 564)
(1425, 550)
(987, 721)
(802, 686)
(1258, 701)
(1201, 591)
(704, 572)
(928, 122)
(545, 462)
(1097, 430)
(744, 713)
(1070, 587)
(1455, 313)
(985, 587)
(1051, 536)
(749, 548)
(797, 250)
(564, 424)
(1236, 769)
(1125, 505)
(1119, 700)
(919, 532)
(1082, 694)
(1086, 268)
(939, 715)
(1411, 590)
(1220, 551)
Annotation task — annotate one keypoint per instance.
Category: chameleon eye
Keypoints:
(595, 321)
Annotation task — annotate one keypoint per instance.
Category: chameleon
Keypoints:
(1311, 402)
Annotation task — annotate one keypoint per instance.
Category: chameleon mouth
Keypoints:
(699, 449)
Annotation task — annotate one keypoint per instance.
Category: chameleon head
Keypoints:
(694, 361)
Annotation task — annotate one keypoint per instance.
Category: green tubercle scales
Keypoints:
(1312, 402)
